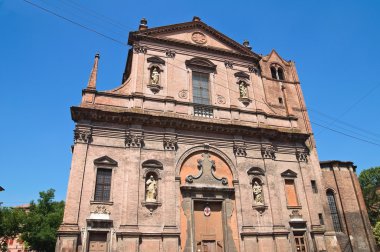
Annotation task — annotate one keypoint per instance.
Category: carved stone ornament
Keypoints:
(206, 172)
(245, 100)
(170, 53)
(228, 64)
(269, 152)
(151, 189)
(134, 141)
(302, 156)
(253, 69)
(199, 38)
(82, 136)
(101, 209)
(258, 193)
(139, 49)
(240, 150)
(295, 215)
(170, 143)
(183, 94)
(154, 84)
(207, 211)
(221, 99)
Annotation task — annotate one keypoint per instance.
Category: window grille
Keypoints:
(103, 185)
(334, 211)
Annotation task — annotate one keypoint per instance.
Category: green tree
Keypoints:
(370, 181)
(10, 224)
(42, 221)
(376, 233)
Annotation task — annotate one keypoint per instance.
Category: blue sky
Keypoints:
(45, 62)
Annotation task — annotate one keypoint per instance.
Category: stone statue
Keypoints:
(155, 76)
(151, 189)
(257, 193)
(243, 90)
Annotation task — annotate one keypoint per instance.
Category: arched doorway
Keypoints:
(207, 200)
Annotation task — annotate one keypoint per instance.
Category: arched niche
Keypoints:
(152, 166)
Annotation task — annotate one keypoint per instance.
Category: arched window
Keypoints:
(280, 73)
(277, 72)
(333, 210)
(273, 71)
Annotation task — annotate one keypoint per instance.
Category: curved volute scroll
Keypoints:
(205, 169)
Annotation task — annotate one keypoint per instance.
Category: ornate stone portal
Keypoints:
(208, 204)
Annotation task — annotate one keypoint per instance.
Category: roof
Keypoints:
(151, 34)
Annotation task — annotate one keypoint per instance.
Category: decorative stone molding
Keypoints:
(105, 160)
(221, 99)
(156, 60)
(199, 38)
(246, 101)
(101, 209)
(229, 64)
(253, 69)
(256, 171)
(183, 94)
(302, 156)
(139, 49)
(206, 173)
(155, 88)
(269, 152)
(170, 53)
(134, 141)
(241, 75)
(240, 150)
(151, 206)
(295, 215)
(289, 174)
(170, 143)
(82, 136)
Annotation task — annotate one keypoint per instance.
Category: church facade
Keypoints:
(205, 146)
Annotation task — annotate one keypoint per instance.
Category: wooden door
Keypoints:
(98, 242)
(208, 226)
(300, 243)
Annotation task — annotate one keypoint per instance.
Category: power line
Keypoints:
(97, 14)
(353, 105)
(76, 23)
(344, 123)
(345, 134)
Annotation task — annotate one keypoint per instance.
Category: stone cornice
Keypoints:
(172, 120)
(195, 47)
(189, 26)
(171, 99)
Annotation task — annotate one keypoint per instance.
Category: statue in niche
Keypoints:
(155, 76)
(151, 189)
(258, 193)
(243, 90)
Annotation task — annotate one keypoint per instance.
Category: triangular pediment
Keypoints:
(195, 33)
(273, 56)
(105, 160)
(289, 173)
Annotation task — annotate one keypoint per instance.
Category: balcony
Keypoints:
(204, 111)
